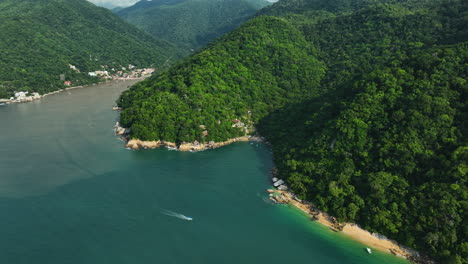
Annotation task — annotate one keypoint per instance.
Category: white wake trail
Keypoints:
(174, 214)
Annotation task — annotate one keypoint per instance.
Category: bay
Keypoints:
(71, 193)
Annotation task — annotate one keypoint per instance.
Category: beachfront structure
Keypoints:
(21, 94)
(278, 183)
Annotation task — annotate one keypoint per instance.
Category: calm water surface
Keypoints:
(70, 193)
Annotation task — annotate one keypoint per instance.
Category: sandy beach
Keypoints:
(350, 229)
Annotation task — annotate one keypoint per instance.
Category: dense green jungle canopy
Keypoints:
(364, 102)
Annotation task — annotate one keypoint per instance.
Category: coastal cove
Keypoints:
(71, 193)
(280, 196)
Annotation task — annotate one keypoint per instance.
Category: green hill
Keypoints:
(190, 24)
(40, 39)
(255, 70)
(364, 102)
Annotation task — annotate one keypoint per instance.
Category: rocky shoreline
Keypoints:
(22, 99)
(192, 147)
(185, 146)
(281, 195)
(37, 96)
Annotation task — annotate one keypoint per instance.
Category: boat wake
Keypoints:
(174, 214)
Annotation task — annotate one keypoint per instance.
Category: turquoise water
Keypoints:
(70, 193)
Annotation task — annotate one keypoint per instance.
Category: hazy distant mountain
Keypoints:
(40, 39)
(117, 9)
(190, 24)
(107, 5)
(112, 4)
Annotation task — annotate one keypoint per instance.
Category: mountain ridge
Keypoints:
(40, 39)
(190, 24)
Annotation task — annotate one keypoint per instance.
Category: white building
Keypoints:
(21, 94)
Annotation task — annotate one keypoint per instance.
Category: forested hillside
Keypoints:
(190, 24)
(364, 102)
(224, 83)
(39, 40)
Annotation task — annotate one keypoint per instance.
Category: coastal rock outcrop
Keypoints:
(136, 144)
(22, 97)
(193, 146)
(120, 131)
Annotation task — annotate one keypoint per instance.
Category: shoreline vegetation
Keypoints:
(134, 144)
(352, 230)
(36, 97)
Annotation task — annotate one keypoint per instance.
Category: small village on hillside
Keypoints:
(125, 73)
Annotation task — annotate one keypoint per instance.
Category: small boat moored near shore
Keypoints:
(369, 250)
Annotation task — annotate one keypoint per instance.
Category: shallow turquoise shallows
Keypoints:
(71, 193)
